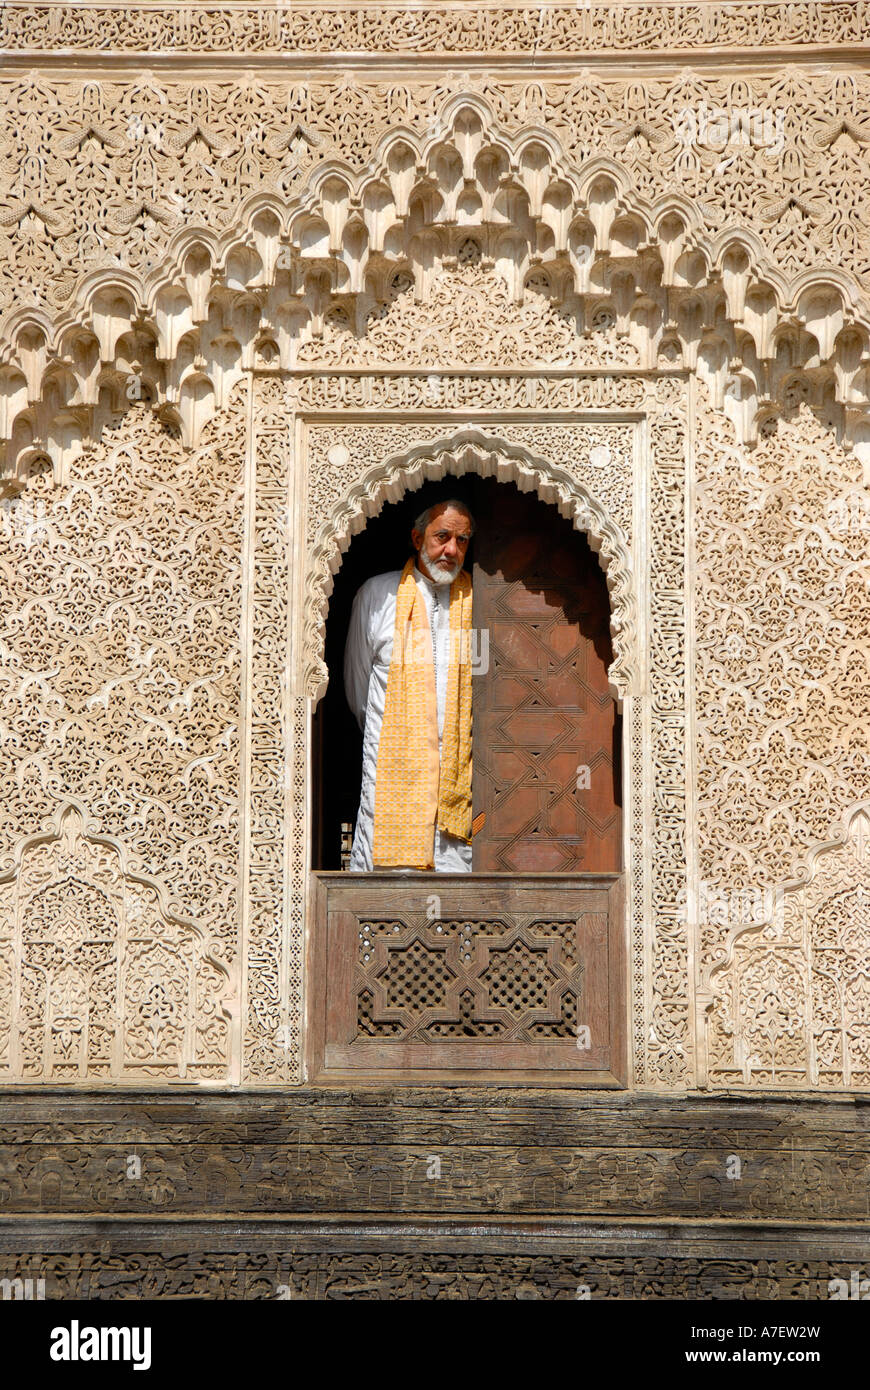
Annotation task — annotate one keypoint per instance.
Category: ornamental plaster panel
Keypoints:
(781, 652)
(448, 30)
(277, 739)
(787, 996)
(470, 320)
(106, 983)
(388, 390)
(120, 675)
(596, 455)
(468, 243)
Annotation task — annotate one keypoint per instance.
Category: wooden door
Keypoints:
(546, 778)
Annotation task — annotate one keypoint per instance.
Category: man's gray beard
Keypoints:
(439, 575)
(442, 576)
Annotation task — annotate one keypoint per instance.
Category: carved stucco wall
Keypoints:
(412, 275)
(179, 231)
(120, 615)
(781, 653)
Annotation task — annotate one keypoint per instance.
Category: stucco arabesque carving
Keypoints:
(773, 1009)
(241, 31)
(103, 980)
(198, 362)
(616, 403)
(679, 282)
(469, 450)
(121, 682)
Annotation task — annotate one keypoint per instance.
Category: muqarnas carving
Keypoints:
(325, 218)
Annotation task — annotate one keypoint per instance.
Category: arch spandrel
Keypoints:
(471, 451)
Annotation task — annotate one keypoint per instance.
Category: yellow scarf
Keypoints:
(410, 786)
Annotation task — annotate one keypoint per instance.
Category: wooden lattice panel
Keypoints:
(489, 978)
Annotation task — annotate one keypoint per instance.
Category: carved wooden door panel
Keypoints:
(546, 793)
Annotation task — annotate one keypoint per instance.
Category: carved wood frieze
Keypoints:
(506, 1150)
(621, 1197)
(151, 1263)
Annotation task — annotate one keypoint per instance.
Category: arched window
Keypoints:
(547, 734)
(516, 968)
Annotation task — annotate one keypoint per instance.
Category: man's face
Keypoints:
(441, 547)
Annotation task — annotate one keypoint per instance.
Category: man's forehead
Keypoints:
(449, 516)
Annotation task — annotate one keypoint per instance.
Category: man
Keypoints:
(407, 676)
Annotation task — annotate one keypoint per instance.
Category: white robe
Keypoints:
(366, 670)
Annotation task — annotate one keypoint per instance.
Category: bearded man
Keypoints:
(407, 677)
